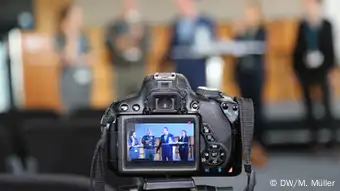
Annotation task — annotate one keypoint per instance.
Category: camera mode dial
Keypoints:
(208, 92)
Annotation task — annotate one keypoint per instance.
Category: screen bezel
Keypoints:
(178, 166)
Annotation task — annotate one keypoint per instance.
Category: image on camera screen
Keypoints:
(161, 142)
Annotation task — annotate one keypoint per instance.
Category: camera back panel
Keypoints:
(214, 147)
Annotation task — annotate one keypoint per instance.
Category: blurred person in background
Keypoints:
(190, 29)
(127, 40)
(249, 69)
(74, 53)
(313, 60)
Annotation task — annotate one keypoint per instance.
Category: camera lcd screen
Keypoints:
(162, 142)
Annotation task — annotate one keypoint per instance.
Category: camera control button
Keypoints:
(214, 154)
(206, 128)
(214, 161)
(222, 154)
(136, 107)
(206, 155)
(210, 138)
(224, 106)
(124, 107)
(214, 146)
(195, 105)
(235, 107)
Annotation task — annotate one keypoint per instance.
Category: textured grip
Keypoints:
(208, 92)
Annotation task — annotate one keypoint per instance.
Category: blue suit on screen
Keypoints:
(166, 148)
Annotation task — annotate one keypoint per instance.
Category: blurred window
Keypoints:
(15, 54)
(4, 99)
(214, 72)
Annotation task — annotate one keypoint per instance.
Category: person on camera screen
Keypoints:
(148, 142)
(183, 148)
(133, 146)
(166, 140)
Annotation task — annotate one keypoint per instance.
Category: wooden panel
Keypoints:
(41, 71)
(280, 79)
(160, 38)
(334, 81)
(228, 85)
(281, 36)
(103, 88)
(46, 14)
(40, 63)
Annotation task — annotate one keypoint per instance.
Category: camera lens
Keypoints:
(165, 103)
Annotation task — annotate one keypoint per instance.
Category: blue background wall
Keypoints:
(157, 129)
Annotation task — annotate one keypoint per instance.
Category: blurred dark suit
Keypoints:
(183, 35)
(184, 149)
(250, 76)
(317, 38)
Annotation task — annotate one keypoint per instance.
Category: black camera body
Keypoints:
(192, 133)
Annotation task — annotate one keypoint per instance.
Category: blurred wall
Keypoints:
(98, 13)
(46, 14)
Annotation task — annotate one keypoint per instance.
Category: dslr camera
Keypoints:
(167, 129)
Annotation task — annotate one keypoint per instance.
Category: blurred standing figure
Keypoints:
(249, 70)
(127, 40)
(313, 60)
(74, 53)
(190, 29)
